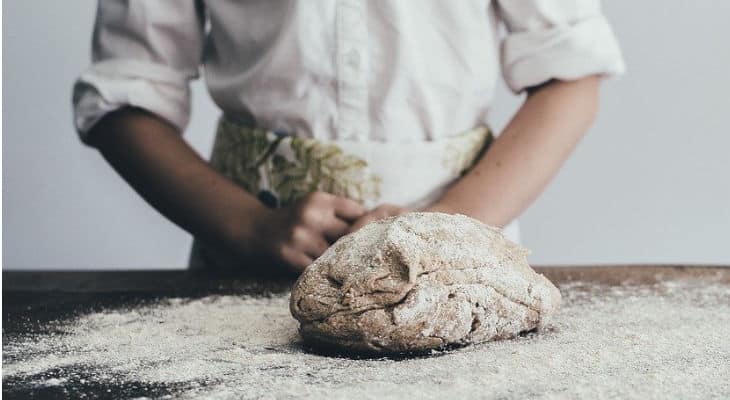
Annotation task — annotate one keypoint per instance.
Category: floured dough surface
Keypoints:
(421, 281)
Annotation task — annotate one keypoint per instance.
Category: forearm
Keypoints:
(153, 158)
(527, 155)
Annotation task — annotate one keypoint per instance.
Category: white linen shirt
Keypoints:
(379, 70)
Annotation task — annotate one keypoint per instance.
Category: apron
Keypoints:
(280, 169)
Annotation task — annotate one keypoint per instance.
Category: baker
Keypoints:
(338, 112)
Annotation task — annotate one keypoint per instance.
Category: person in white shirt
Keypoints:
(338, 112)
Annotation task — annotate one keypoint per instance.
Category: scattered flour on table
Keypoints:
(666, 340)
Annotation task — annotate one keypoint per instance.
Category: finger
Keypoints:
(390, 210)
(315, 247)
(380, 212)
(362, 222)
(296, 259)
(310, 242)
(347, 209)
(334, 229)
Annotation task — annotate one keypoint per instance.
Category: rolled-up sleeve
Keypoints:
(144, 53)
(556, 39)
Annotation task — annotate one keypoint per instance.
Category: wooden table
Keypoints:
(31, 298)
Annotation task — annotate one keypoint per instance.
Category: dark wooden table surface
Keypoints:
(32, 298)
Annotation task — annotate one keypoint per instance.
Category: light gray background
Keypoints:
(650, 183)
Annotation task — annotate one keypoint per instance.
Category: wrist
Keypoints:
(481, 215)
(239, 232)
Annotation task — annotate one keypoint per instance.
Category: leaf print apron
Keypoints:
(280, 169)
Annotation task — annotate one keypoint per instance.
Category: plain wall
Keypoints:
(649, 184)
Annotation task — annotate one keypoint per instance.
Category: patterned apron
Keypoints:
(280, 169)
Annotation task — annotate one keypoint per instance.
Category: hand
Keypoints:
(295, 236)
(378, 213)
(442, 207)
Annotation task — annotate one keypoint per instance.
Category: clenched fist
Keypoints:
(296, 235)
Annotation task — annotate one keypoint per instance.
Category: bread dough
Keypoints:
(420, 281)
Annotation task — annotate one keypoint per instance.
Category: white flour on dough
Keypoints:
(419, 282)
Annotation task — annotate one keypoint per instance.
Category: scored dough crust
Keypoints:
(420, 281)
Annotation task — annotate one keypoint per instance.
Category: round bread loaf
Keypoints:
(420, 281)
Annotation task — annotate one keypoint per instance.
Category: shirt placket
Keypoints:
(352, 66)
